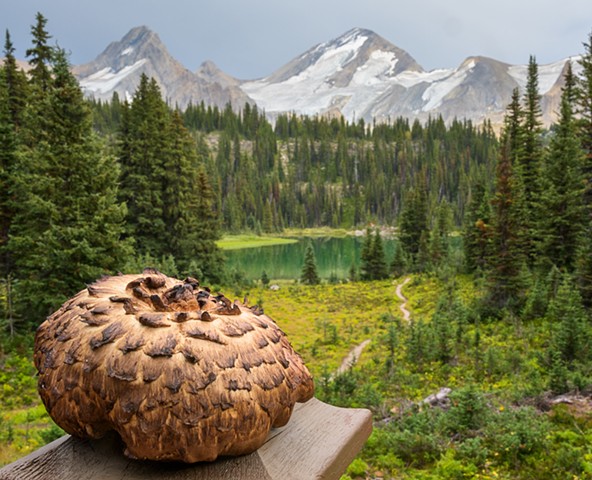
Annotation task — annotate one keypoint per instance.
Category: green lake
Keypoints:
(284, 262)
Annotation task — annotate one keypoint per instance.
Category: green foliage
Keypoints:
(309, 268)
(374, 266)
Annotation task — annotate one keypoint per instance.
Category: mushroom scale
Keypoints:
(179, 373)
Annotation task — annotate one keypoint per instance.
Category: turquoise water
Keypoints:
(284, 262)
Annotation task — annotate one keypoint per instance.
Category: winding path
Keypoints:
(403, 307)
(352, 357)
(354, 354)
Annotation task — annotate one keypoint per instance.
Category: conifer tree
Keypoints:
(144, 145)
(399, 265)
(506, 256)
(584, 109)
(530, 160)
(8, 147)
(584, 122)
(309, 268)
(477, 228)
(571, 331)
(414, 219)
(40, 55)
(562, 224)
(16, 84)
(68, 225)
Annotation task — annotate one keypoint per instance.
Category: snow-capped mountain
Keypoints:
(361, 75)
(357, 75)
(119, 67)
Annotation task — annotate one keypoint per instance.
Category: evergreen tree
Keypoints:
(477, 228)
(439, 241)
(414, 219)
(571, 332)
(16, 84)
(40, 55)
(399, 265)
(8, 147)
(144, 147)
(309, 268)
(506, 257)
(373, 262)
(584, 109)
(530, 159)
(564, 217)
(67, 228)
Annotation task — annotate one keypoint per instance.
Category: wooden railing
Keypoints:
(318, 442)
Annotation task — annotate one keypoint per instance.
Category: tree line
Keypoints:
(90, 187)
(75, 206)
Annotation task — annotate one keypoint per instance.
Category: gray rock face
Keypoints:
(357, 75)
(119, 67)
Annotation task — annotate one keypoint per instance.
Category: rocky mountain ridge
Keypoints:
(357, 75)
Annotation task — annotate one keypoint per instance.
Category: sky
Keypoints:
(250, 39)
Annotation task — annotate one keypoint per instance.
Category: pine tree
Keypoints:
(477, 228)
(506, 257)
(400, 264)
(530, 159)
(67, 229)
(584, 109)
(439, 241)
(144, 146)
(8, 146)
(414, 219)
(378, 261)
(562, 224)
(571, 332)
(16, 84)
(40, 55)
(309, 268)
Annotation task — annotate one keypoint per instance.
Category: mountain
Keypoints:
(361, 75)
(357, 75)
(119, 67)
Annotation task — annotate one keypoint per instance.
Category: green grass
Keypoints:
(235, 242)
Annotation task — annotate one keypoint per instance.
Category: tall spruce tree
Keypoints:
(506, 255)
(530, 159)
(561, 226)
(477, 228)
(309, 274)
(144, 145)
(584, 109)
(374, 266)
(16, 84)
(40, 55)
(413, 220)
(171, 204)
(68, 225)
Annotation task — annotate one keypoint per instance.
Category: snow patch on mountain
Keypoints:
(106, 80)
(548, 74)
(127, 51)
(437, 91)
(380, 64)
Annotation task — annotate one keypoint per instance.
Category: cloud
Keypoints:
(252, 39)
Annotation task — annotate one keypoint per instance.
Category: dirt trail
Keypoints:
(403, 306)
(352, 357)
(354, 354)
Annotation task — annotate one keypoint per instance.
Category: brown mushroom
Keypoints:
(179, 373)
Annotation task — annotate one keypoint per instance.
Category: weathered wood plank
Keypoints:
(319, 442)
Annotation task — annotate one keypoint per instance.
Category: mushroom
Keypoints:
(179, 373)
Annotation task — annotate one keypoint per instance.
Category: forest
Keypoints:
(501, 317)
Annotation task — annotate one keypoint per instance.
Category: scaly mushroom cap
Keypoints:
(179, 373)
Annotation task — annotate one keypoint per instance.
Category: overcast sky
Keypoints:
(249, 39)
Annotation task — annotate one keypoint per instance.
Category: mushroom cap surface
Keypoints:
(179, 373)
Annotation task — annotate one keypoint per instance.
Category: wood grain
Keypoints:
(319, 442)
